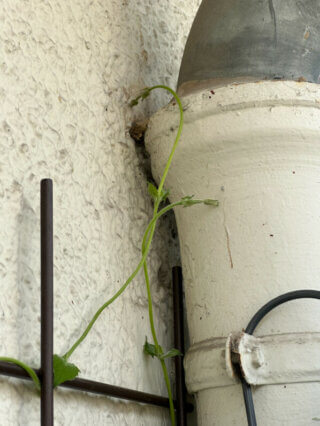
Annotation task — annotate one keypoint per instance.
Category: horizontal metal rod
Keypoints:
(12, 370)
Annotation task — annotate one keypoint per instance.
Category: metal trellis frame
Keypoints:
(45, 373)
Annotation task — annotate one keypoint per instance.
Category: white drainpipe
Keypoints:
(256, 148)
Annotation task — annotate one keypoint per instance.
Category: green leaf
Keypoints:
(152, 191)
(170, 354)
(164, 195)
(150, 349)
(143, 95)
(209, 202)
(188, 201)
(187, 198)
(63, 370)
(134, 102)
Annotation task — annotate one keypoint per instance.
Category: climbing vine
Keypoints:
(63, 369)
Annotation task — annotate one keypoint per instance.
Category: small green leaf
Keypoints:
(170, 354)
(63, 370)
(134, 102)
(150, 349)
(145, 93)
(152, 191)
(188, 201)
(209, 202)
(187, 198)
(164, 195)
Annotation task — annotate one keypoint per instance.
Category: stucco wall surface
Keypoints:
(67, 72)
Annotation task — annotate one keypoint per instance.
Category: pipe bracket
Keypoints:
(275, 359)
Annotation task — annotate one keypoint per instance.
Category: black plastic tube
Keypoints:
(262, 312)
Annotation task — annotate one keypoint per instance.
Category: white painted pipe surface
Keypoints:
(256, 148)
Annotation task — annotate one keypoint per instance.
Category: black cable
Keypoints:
(248, 400)
(262, 312)
(292, 295)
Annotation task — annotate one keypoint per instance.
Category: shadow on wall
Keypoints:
(147, 46)
(28, 283)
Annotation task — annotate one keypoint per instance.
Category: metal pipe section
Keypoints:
(248, 40)
(46, 202)
(255, 148)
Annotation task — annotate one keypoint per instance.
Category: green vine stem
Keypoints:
(112, 299)
(65, 371)
(132, 276)
(158, 347)
(26, 367)
(149, 231)
(145, 267)
(159, 195)
(167, 166)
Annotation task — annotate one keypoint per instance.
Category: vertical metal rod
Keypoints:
(179, 344)
(46, 202)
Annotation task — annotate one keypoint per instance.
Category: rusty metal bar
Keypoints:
(179, 344)
(46, 207)
(90, 386)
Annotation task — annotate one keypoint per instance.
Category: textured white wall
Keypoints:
(68, 70)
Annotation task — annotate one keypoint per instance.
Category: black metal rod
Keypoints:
(181, 392)
(12, 370)
(116, 391)
(46, 206)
